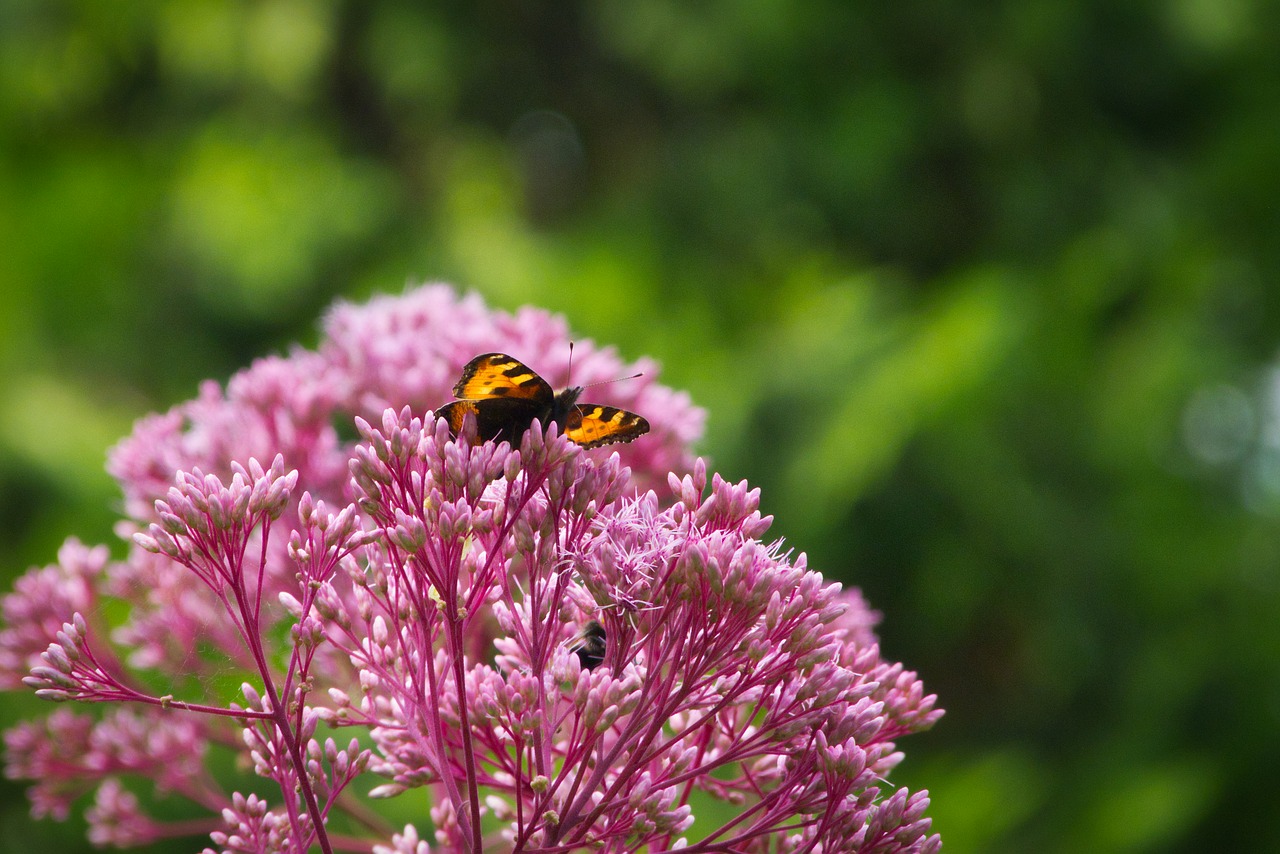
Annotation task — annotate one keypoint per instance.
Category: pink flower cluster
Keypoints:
(433, 595)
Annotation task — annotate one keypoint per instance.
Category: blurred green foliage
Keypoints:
(979, 294)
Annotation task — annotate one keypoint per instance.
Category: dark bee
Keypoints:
(589, 645)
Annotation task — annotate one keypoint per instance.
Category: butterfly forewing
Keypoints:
(499, 375)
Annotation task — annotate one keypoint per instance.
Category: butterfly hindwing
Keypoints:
(497, 418)
(592, 425)
(504, 396)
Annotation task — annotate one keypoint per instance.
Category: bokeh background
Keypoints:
(982, 295)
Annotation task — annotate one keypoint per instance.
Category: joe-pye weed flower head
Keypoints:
(403, 608)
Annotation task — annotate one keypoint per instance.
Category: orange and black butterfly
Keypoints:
(505, 395)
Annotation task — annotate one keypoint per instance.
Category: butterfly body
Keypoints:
(505, 396)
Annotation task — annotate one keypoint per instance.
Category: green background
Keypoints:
(980, 294)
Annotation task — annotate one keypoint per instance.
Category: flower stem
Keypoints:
(454, 624)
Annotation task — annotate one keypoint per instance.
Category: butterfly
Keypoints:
(505, 395)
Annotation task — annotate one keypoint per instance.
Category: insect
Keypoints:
(590, 645)
(505, 395)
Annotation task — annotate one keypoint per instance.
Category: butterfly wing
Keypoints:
(592, 425)
(497, 418)
(503, 393)
(499, 375)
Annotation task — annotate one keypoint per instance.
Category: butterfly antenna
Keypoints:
(597, 382)
(615, 380)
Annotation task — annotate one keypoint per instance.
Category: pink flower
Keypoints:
(432, 593)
